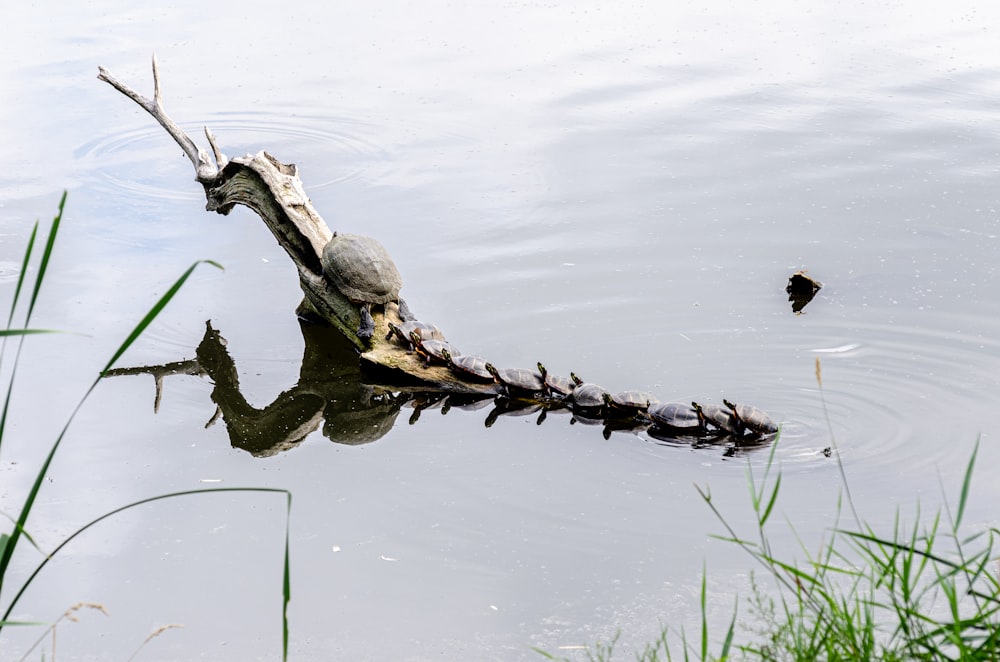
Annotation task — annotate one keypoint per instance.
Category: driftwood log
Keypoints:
(273, 190)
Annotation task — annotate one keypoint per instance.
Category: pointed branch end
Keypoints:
(220, 159)
(157, 99)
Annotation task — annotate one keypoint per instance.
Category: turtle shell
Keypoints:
(361, 269)
(433, 349)
(468, 365)
(675, 415)
(717, 416)
(403, 331)
(635, 401)
(588, 395)
(557, 385)
(517, 379)
(752, 420)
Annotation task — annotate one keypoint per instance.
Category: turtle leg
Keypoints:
(366, 327)
(404, 312)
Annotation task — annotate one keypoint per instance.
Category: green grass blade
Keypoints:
(46, 254)
(50, 242)
(142, 502)
(25, 332)
(24, 272)
(29, 502)
(963, 499)
(155, 311)
(286, 588)
(704, 613)
(771, 502)
(728, 642)
(10, 320)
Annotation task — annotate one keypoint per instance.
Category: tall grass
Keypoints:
(924, 591)
(10, 540)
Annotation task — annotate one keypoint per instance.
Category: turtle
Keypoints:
(676, 416)
(719, 417)
(629, 402)
(432, 350)
(361, 269)
(557, 385)
(586, 395)
(517, 380)
(402, 332)
(751, 421)
(467, 365)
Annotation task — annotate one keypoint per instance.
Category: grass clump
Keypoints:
(18, 530)
(926, 591)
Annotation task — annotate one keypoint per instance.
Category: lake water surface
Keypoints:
(620, 191)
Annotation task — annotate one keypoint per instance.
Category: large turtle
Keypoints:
(361, 269)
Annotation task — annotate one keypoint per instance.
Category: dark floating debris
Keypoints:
(801, 289)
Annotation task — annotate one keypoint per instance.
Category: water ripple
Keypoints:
(128, 163)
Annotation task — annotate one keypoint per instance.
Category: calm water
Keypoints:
(618, 191)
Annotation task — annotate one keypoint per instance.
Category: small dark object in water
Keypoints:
(801, 289)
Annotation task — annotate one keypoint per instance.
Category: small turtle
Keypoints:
(751, 421)
(467, 365)
(720, 418)
(676, 416)
(587, 396)
(557, 385)
(402, 332)
(629, 402)
(432, 350)
(361, 269)
(517, 381)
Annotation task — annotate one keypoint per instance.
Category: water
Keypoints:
(618, 191)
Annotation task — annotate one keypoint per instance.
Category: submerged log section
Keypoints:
(274, 192)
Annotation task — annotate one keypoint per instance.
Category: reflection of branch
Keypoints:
(189, 367)
(332, 392)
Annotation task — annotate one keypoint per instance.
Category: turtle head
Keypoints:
(575, 379)
(490, 368)
(415, 337)
(541, 370)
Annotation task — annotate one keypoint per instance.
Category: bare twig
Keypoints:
(205, 171)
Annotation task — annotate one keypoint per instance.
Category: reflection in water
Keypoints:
(334, 391)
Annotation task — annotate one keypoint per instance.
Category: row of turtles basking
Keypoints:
(736, 420)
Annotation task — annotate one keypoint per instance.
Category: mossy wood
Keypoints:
(273, 190)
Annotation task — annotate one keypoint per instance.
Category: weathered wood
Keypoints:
(273, 190)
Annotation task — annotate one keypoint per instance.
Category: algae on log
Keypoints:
(273, 190)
